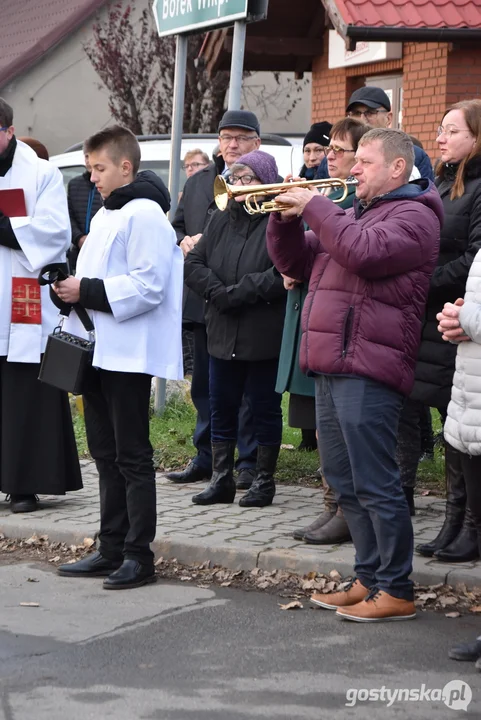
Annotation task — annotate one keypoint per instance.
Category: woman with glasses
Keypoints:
(460, 320)
(244, 312)
(459, 184)
(330, 527)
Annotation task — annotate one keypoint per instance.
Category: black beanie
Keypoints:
(319, 133)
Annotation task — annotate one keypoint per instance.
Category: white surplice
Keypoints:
(134, 251)
(44, 237)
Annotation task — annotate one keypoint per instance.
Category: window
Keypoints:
(160, 167)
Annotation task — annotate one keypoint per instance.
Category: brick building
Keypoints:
(426, 54)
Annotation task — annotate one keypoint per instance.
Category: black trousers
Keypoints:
(117, 424)
(230, 381)
(246, 441)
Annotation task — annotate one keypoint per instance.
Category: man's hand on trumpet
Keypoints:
(296, 199)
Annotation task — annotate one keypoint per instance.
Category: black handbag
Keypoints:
(67, 360)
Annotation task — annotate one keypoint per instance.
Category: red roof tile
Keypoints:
(452, 14)
(29, 29)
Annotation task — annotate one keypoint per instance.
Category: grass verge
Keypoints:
(171, 437)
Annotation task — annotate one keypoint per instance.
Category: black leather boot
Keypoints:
(191, 473)
(263, 489)
(455, 505)
(221, 488)
(464, 547)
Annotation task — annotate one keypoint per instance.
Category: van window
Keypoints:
(160, 167)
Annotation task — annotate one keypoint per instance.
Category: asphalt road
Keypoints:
(180, 652)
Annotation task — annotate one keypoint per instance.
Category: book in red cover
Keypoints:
(12, 202)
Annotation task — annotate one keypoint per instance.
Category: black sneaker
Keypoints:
(466, 651)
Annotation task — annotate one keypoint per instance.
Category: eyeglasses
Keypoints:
(193, 166)
(4, 129)
(245, 179)
(238, 138)
(358, 114)
(449, 131)
(337, 150)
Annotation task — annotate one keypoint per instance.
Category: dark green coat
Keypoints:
(290, 378)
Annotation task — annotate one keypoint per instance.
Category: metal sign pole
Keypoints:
(174, 167)
(177, 121)
(237, 65)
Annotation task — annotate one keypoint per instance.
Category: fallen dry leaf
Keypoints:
(476, 609)
(32, 580)
(335, 575)
(448, 600)
(453, 615)
(29, 604)
(226, 584)
(88, 542)
(294, 605)
(287, 447)
(426, 596)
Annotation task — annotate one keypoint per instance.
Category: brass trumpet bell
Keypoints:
(223, 192)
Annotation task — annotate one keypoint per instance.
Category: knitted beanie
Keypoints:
(319, 133)
(262, 164)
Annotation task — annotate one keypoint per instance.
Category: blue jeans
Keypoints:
(357, 422)
(246, 442)
(230, 381)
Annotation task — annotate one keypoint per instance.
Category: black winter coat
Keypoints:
(193, 212)
(244, 295)
(460, 241)
(84, 201)
(78, 193)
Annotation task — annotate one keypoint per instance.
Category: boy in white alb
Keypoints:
(129, 278)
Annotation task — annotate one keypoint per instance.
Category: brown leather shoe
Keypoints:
(334, 532)
(323, 519)
(379, 606)
(351, 595)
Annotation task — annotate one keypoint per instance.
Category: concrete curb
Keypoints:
(298, 561)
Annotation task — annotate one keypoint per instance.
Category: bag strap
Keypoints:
(55, 272)
(88, 215)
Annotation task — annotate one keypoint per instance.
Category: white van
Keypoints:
(155, 155)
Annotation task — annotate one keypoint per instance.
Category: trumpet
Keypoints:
(223, 192)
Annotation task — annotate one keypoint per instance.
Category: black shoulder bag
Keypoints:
(67, 360)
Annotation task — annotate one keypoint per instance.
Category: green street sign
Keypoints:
(181, 16)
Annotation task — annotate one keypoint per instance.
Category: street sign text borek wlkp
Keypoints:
(179, 16)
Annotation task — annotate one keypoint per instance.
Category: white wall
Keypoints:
(58, 101)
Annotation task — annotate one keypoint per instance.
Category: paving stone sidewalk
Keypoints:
(228, 535)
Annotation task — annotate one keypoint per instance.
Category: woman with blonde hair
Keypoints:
(460, 324)
(459, 184)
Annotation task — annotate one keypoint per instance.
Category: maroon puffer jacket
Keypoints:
(368, 281)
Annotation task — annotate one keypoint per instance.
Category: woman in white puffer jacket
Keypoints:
(461, 323)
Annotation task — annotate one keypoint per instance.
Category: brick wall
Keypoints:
(331, 89)
(425, 68)
(464, 73)
(435, 75)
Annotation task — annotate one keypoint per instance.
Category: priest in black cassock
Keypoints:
(38, 454)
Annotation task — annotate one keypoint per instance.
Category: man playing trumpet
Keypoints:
(369, 270)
